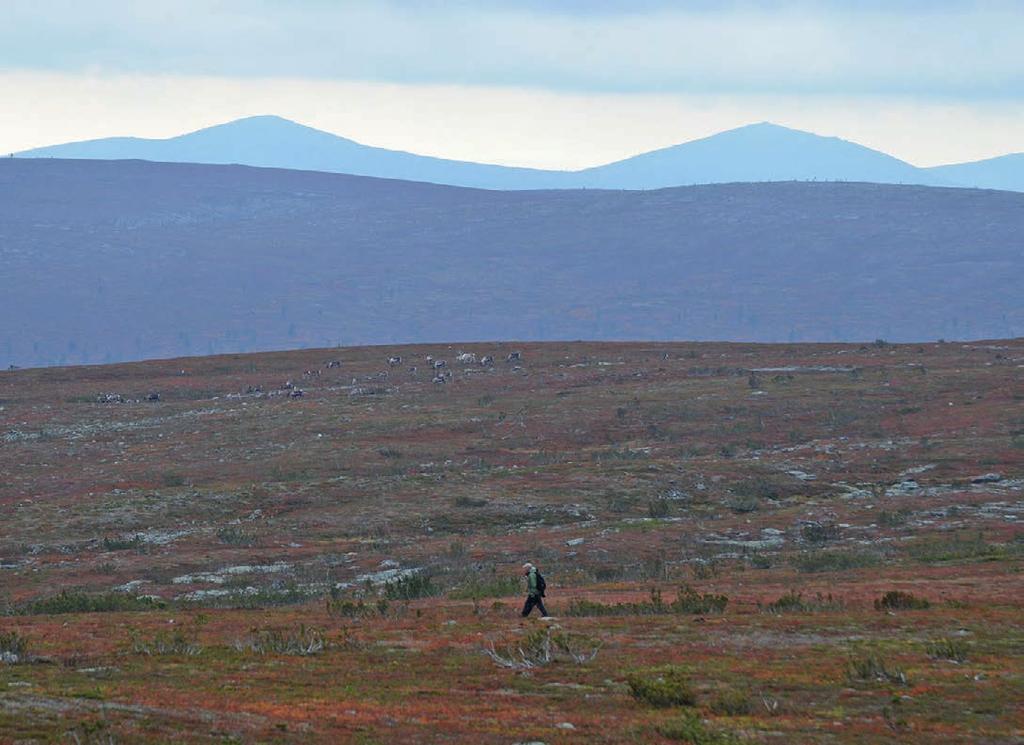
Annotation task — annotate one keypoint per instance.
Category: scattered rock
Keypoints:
(902, 489)
(574, 542)
(802, 476)
(987, 478)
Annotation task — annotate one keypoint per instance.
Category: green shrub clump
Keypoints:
(662, 688)
(689, 728)
(494, 587)
(794, 602)
(688, 600)
(834, 561)
(411, 587)
(731, 702)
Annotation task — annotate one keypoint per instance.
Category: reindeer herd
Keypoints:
(441, 373)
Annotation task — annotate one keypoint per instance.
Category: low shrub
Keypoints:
(953, 650)
(233, 535)
(959, 547)
(358, 608)
(303, 641)
(760, 561)
(743, 504)
(658, 508)
(80, 602)
(893, 518)
(122, 544)
(579, 648)
(834, 561)
(899, 600)
(533, 650)
(662, 688)
(176, 642)
(411, 587)
(731, 703)
(690, 601)
(91, 732)
(761, 487)
(819, 532)
(690, 728)
(13, 647)
(492, 587)
(243, 596)
(705, 569)
(464, 501)
(687, 601)
(872, 667)
(541, 647)
(794, 602)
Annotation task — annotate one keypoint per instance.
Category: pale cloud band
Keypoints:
(502, 124)
(939, 49)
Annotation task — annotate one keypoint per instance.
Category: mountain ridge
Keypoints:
(755, 152)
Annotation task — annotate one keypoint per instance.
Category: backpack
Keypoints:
(541, 584)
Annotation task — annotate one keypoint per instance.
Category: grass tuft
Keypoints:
(872, 668)
(953, 650)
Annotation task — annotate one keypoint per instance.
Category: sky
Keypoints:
(555, 83)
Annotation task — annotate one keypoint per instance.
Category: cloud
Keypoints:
(950, 50)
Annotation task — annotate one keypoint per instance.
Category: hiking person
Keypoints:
(535, 586)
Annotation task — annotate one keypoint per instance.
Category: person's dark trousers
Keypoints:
(534, 601)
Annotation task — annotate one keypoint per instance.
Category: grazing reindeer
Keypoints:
(514, 357)
(395, 361)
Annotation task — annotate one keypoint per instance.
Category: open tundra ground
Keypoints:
(743, 543)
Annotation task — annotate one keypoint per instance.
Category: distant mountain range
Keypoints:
(120, 260)
(758, 152)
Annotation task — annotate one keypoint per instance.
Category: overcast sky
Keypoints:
(543, 83)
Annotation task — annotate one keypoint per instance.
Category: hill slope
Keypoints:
(273, 142)
(108, 260)
(339, 566)
(758, 152)
(1005, 172)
